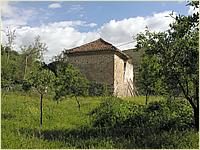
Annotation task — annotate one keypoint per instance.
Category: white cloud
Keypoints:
(13, 16)
(65, 34)
(122, 31)
(160, 21)
(54, 5)
(66, 23)
(92, 24)
(57, 35)
(56, 38)
(192, 10)
(71, 24)
(7, 10)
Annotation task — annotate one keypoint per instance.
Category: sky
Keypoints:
(64, 25)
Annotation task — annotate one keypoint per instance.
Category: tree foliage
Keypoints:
(41, 80)
(99, 89)
(148, 76)
(10, 70)
(10, 34)
(32, 53)
(15, 65)
(70, 82)
(177, 59)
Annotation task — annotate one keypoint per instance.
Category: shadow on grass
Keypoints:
(7, 116)
(104, 137)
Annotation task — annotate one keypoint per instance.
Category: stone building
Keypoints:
(102, 62)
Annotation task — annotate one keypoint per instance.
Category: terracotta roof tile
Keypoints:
(97, 45)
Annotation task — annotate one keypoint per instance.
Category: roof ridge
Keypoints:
(95, 46)
(102, 40)
(93, 42)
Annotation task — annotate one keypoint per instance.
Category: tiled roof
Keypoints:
(97, 45)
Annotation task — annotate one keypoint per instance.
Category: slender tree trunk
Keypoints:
(41, 98)
(79, 106)
(195, 108)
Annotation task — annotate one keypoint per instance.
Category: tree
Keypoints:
(10, 41)
(148, 76)
(10, 71)
(70, 82)
(33, 52)
(177, 53)
(41, 79)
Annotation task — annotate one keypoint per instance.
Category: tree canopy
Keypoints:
(70, 82)
(176, 54)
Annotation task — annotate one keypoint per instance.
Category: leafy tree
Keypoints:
(15, 65)
(10, 41)
(177, 53)
(10, 71)
(59, 58)
(41, 80)
(147, 79)
(33, 52)
(70, 82)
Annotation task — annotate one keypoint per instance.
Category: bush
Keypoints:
(170, 114)
(26, 86)
(165, 124)
(11, 85)
(113, 111)
(7, 84)
(99, 89)
(163, 115)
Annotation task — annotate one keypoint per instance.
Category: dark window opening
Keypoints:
(124, 69)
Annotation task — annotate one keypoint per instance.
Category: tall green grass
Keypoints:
(64, 126)
(141, 100)
(20, 115)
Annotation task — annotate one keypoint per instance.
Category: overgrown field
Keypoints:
(101, 123)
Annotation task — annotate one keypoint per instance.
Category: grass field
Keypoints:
(20, 116)
(141, 100)
(64, 126)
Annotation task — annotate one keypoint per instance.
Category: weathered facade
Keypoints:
(101, 62)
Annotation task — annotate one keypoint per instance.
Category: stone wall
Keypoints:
(128, 82)
(108, 68)
(123, 77)
(96, 66)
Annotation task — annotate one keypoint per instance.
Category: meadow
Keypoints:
(64, 126)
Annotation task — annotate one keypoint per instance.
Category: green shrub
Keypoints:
(113, 111)
(166, 124)
(26, 86)
(169, 114)
(163, 115)
(99, 89)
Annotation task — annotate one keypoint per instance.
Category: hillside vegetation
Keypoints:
(136, 56)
